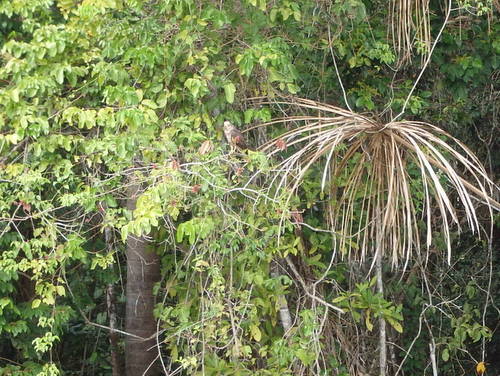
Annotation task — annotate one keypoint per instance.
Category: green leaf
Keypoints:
(395, 324)
(111, 201)
(273, 14)
(339, 299)
(60, 290)
(4, 302)
(246, 63)
(373, 281)
(445, 355)
(195, 86)
(255, 332)
(60, 75)
(229, 90)
(149, 103)
(306, 357)
(14, 94)
(180, 233)
(368, 323)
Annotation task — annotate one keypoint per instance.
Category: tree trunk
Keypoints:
(285, 316)
(113, 336)
(116, 365)
(143, 271)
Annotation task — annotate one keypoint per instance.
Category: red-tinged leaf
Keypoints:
(26, 206)
(297, 216)
(280, 144)
(174, 164)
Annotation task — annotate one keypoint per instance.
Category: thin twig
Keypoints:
(337, 69)
(382, 325)
(306, 289)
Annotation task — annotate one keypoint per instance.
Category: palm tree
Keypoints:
(383, 181)
(379, 168)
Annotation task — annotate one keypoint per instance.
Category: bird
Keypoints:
(234, 137)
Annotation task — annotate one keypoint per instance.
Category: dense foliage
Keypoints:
(98, 96)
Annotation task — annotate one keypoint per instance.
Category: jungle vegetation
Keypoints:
(354, 236)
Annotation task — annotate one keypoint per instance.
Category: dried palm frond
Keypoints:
(382, 179)
(409, 26)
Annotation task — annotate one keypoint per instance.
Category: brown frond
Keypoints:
(409, 27)
(382, 179)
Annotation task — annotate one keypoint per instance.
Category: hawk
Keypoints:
(234, 136)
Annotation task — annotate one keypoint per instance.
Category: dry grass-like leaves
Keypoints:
(409, 24)
(382, 179)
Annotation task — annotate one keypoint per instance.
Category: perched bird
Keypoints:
(234, 137)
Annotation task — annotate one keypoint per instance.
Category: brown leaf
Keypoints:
(297, 216)
(174, 164)
(26, 206)
(206, 147)
(280, 144)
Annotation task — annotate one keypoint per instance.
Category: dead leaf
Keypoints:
(174, 164)
(280, 144)
(206, 147)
